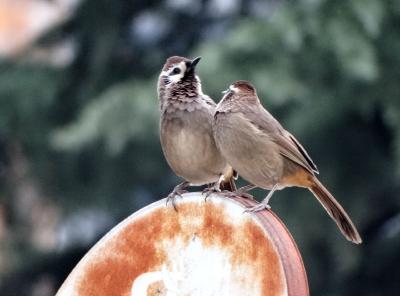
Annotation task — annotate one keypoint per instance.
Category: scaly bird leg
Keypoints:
(264, 204)
(178, 191)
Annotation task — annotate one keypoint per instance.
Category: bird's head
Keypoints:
(240, 90)
(178, 70)
(240, 87)
(238, 93)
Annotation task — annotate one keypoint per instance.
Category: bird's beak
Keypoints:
(193, 63)
(227, 91)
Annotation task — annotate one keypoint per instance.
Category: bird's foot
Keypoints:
(264, 205)
(178, 191)
(243, 192)
(257, 208)
(232, 194)
(245, 195)
(210, 190)
(172, 196)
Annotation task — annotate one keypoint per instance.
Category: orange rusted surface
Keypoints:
(295, 273)
(206, 248)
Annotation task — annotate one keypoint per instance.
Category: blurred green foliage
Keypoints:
(328, 70)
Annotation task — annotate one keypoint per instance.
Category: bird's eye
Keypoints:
(176, 71)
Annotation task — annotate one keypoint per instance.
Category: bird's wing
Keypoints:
(288, 145)
(292, 152)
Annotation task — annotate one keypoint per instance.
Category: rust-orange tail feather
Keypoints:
(336, 211)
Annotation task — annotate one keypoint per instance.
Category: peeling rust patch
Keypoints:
(131, 253)
(216, 229)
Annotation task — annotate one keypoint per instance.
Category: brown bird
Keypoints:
(186, 129)
(256, 145)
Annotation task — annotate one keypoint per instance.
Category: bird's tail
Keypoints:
(335, 210)
(229, 180)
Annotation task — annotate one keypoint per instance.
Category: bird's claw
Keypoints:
(257, 208)
(232, 194)
(171, 197)
(210, 190)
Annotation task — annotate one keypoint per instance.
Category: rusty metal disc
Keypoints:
(206, 248)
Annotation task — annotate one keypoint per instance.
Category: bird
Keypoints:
(266, 155)
(186, 136)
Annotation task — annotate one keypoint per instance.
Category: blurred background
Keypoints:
(79, 147)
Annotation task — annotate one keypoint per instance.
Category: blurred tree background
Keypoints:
(79, 147)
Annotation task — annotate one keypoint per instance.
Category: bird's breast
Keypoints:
(190, 149)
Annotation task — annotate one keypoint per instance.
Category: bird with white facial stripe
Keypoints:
(255, 144)
(185, 129)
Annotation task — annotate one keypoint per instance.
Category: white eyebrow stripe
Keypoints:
(234, 89)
